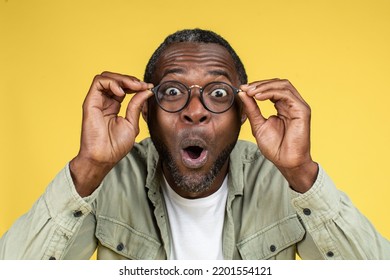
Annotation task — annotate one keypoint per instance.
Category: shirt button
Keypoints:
(307, 211)
(77, 213)
(120, 247)
(272, 248)
(330, 254)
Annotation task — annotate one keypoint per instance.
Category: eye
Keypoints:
(172, 91)
(219, 92)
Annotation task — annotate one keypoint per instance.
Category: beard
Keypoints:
(195, 181)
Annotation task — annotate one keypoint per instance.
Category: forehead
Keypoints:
(188, 57)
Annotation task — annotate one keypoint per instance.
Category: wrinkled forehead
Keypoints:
(187, 56)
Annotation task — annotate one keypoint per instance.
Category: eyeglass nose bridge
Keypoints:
(195, 86)
(200, 96)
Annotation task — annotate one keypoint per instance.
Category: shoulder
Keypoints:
(253, 169)
(125, 184)
(246, 151)
(134, 168)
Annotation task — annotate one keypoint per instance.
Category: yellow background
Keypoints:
(336, 53)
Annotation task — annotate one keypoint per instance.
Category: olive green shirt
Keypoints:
(126, 218)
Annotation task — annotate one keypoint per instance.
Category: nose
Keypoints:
(195, 112)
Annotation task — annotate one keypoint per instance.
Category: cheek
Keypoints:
(228, 129)
(161, 124)
(233, 131)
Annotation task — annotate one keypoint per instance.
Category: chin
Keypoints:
(191, 180)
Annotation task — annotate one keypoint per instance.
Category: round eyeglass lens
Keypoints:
(218, 97)
(172, 96)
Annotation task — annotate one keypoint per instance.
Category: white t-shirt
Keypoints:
(196, 224)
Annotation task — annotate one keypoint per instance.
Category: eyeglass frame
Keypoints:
(189, 90)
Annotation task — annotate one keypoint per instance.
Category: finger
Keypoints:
(252, 110)
(275, 95)
(108, 87)
(135, 105)
(286, 103)
(250, 87)
(130, 84)
(281, 84)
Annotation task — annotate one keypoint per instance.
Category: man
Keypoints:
(193, 191)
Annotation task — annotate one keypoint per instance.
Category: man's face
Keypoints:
(194, 144)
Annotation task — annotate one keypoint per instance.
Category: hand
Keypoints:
(106, 137)
(283, 138)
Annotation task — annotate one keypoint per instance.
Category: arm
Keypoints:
(333, 223)
(48, 230)
(335, 226)
(61, 223)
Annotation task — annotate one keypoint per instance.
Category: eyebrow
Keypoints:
(220, 73)
(173, 71)
(211, 72)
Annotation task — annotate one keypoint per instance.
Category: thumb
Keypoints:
(135, 105)
(252, 110)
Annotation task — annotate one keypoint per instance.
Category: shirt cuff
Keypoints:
(66, 207)
(319, 204)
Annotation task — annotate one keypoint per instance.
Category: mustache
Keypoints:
(194, 137)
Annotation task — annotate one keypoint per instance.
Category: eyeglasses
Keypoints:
(216, 97)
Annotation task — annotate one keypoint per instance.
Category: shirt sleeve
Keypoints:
(335, 225)
(53, 224)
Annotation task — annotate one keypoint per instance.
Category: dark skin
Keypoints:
(106, 137)
(197, 64)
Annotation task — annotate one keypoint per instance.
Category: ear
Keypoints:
(243, 118)
(145, 111)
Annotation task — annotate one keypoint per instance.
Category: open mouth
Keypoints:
(194, 154)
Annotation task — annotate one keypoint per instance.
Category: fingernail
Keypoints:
(242, 94)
